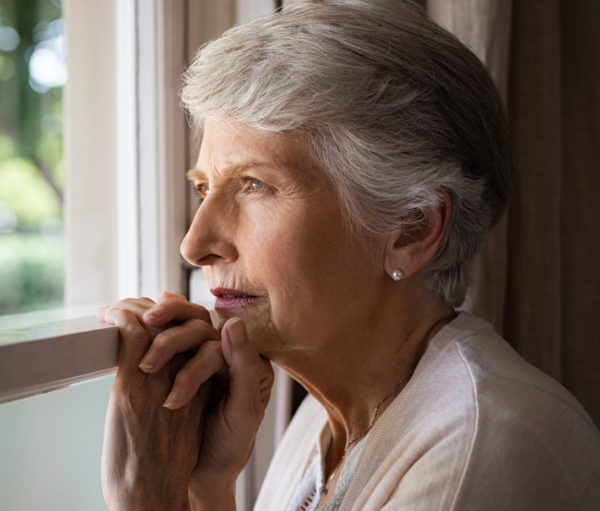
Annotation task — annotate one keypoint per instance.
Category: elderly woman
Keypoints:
(354, 157)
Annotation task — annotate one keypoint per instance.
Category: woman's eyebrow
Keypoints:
(197, 174)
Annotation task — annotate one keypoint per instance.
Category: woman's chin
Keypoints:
(255, 316)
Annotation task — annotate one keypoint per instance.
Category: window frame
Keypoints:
(124, 135)
(79, 349)
(128, 76)
(125, 159)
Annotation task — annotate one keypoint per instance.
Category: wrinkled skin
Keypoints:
(179, 432)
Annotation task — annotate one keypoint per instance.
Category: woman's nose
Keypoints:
(208, 239)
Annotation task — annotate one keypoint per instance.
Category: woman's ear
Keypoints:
(408, 252)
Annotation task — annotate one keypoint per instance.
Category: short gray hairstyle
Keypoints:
(394, 109)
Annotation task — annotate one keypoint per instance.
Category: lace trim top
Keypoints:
(309, 491)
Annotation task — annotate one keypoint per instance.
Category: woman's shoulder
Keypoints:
(470, 351)
(476, 423)
(486, 388)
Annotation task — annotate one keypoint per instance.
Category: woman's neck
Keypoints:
(356, 376)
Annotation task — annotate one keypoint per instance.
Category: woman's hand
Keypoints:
(238, 398)
(149, 451)
(240, 391)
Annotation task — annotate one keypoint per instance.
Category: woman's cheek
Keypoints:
(263, 334)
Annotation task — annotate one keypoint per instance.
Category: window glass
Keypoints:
(32, 74)
(50, 449)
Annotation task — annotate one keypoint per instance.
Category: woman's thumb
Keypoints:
(251, 376)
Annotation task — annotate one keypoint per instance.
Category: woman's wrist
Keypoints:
(156, 495)
(147, 503)
(212, 496)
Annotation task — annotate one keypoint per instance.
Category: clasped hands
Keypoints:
(184, 410)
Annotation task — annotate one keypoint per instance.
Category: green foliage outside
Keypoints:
(31, 269)
(28, 196)
(31, 167)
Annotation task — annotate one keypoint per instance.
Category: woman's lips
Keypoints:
(232, 298)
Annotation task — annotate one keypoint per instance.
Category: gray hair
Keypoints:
(391, 106)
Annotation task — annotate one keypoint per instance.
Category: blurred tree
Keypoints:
(25, 105)
(32, 72)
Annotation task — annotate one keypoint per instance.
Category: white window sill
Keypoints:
(53, 355)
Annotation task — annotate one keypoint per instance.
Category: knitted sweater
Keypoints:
(476, 428)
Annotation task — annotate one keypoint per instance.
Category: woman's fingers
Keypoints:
(177, 339)
(140, 348)
(232, 426)
(251, 376)
(136, 305)
(167, 294)
(207, 362)
(154, 334)
(135, 339)
(173, 309)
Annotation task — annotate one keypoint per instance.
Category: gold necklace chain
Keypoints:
(375, 415)
(364, 433)
(434, 328)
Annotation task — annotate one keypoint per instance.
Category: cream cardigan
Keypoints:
(476, 428)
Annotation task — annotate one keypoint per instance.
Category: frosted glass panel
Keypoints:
(50, 448)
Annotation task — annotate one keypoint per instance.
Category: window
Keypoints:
(32, 73)
(126, 143)
(50, 443)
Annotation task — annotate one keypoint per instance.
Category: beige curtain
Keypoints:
(538, 279)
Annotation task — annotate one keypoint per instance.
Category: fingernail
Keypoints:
(148, 362)
(173, 399)
(151, 315)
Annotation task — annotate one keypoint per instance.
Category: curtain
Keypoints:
(538, 277)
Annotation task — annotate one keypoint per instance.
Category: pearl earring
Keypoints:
(397, 275)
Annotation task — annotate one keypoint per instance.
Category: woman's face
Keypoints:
(274, 246)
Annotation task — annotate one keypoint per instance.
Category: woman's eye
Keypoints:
(202, 189)
(252, 185)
